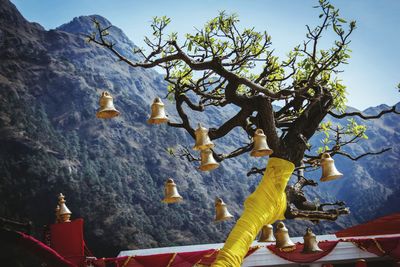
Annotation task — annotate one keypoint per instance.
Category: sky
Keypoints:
(371, 76)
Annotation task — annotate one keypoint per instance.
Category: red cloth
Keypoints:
(361, 263)
(381, 226)
(115, 262)
(157, 260)
(67, 239)
(380, 246)
(299, 257)
(37, 248)
(188, 259)
(182, 259)
(208, 259)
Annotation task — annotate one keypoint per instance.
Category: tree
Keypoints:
(216, 66)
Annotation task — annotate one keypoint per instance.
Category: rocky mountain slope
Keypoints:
(113, 171)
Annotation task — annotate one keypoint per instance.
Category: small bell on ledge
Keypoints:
(64, 212)
(260, 146)
(202, 139)
(107, 109)
(158, 115)
(221, 211)
(171, 193)
(310, 242)
(267, 234)
(283, 241)
(208, 163)
(329, 171)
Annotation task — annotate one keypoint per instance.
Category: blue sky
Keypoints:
(371, 77)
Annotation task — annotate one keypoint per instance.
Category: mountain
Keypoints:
(113, 171)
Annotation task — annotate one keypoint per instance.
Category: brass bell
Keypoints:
(221, 211)
(171, 193)
(202, 139)
(310, 242)
(64, 212)
(107, 109)
(157, 112)
(260, 147)
(267, 234)
(283, 241)
(329, 171)
(208, 163)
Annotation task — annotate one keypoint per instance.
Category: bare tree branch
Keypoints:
(362, 155)
(363, 116)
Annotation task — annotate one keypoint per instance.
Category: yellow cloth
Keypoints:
(264, 206)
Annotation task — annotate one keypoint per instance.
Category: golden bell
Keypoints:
(64, 212)
(171, 193)
(202, 139)
(267, 234)
(221, 211)
(260, 147)
(107, 109)
(208, 163)
(283, 241)
(157, 112)
(310, 242)
(329, 171)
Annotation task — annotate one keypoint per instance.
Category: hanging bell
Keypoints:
(221, 211)
(208, 163)
(157, 112)
(267, 234)
(202, 139)
(260, 147)
(283, 241)
(171, 193)
(310, 242)
(107, 109)
(329, 171)
(64, 212)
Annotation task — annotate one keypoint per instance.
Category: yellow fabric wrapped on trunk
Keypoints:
(264, 206)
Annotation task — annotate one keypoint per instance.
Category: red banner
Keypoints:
(35, 247)
(181, 259)
(67, 239)
(380, 246)
(298, 256)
